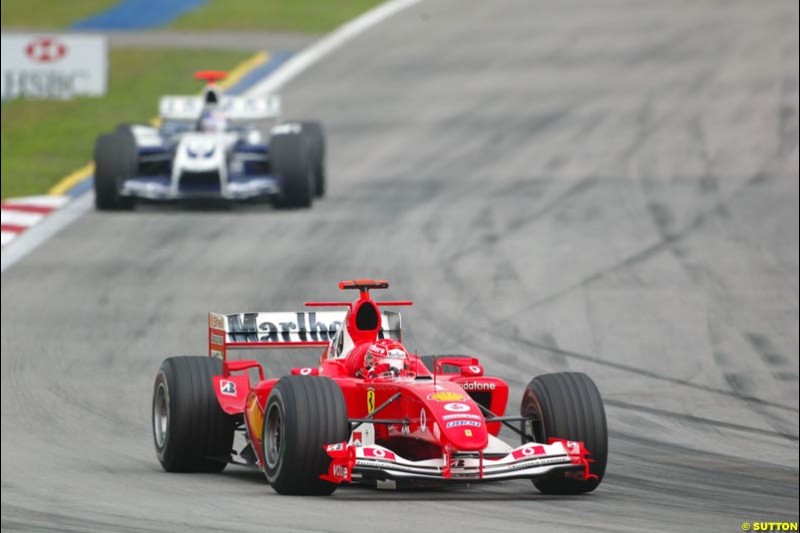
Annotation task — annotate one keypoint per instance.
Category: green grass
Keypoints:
(312, 16)
(49, 13)
(42, 141)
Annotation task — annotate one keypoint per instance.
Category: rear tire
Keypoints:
(291, 162)
(303, 414)
(116, 159)
(189, 426)
(567, 405)
(315, 136)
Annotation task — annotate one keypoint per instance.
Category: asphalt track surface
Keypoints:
(609, 187)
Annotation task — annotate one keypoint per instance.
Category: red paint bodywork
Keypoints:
(424, 402)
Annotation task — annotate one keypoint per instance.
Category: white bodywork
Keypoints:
(235, 108)
(202, 152)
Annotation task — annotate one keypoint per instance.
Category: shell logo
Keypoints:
(446, 396)
(46, 50)
(255, 418)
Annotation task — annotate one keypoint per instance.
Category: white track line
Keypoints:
(18, 218)
(38, 234)
(40, 201)
(48, 227)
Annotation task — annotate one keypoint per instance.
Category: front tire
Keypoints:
(189, 426)
(303, 414)
(567, 405)
(315, 136)
(291, 162)
(115, 159)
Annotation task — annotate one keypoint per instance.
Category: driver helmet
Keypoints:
(213, 121)
(385, 358)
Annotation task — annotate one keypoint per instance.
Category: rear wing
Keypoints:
(236, 108)
(302, 329)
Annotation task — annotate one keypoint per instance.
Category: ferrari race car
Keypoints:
(213, 146)
(370, 412)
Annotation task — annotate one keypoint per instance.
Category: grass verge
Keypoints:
(49, 13)
(311, 16)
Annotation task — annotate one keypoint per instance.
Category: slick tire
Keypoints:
(303, 414)
(291, 162)
(115, 159)
(567, 405)
(191, 432)
(315, 137)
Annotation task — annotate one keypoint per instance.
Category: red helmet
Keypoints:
(385, 358)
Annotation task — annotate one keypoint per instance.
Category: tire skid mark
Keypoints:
(699, 419)
(654, 375)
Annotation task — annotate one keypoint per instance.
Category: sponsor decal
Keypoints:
(216, 322)
(287, 128)
(217, 339)
(370, 400)
(46, 50)
(304, 327)
(255, 417)
(53, 67)
(463, 423)
(357, 438)
(227, 387)
(457, 407)
(306, 371)
(340, 471)
(468, 432)
(423, 420)
(462, 416)
(538, 462)
(528, 451)
(446, 396)
(395, 466)
(217, 354)
(571, 446)
(339, 446)
(478, 386)
(474, 369)
(437, 434)
(379, 453)
(396, 354)
(377, 350)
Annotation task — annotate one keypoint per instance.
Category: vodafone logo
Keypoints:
(528, 451)
(379, 453)
(45, 50)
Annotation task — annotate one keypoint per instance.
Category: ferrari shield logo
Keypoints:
(370, 400)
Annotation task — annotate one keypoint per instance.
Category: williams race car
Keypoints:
(370, 412)
(213, 146)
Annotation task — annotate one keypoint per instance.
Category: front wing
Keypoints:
(163, 188)
(352, 463)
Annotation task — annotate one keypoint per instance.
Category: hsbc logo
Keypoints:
(46, 50)
(53, 67)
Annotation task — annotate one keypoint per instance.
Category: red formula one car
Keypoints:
(370, 412)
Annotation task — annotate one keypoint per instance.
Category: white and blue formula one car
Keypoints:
(211, 146)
